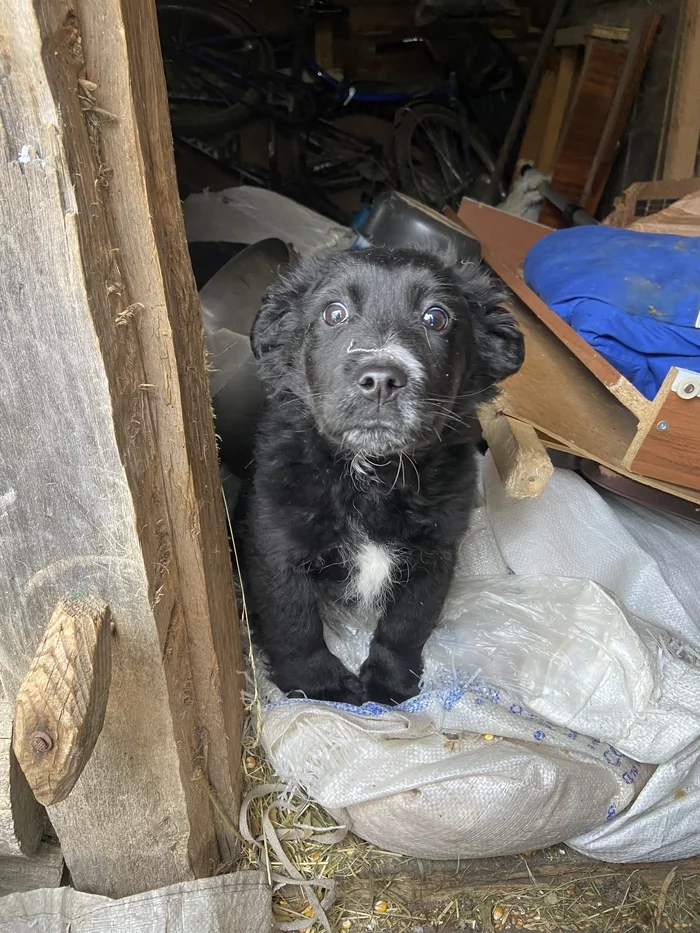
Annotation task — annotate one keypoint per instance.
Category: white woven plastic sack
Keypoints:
(423, 780)
(650, 560)
(430, 780)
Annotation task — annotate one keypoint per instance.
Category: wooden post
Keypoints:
(108, 472)
(684, 127)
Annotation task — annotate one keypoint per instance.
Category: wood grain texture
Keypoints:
(505, 241)
(108, 475)
(559, 397)
(180, 500)
(520, 458)
(577, 35)
(680, 492)
(538, 118)
(22, 819)
(590, 109)
(43, 869)
(672, 454)
(60, 707)
(684, 126)
(646, 25)
(558, 109)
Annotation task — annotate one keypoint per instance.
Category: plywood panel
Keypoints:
(592, 104)
(559, 397)
(668, 445)
(505, 241)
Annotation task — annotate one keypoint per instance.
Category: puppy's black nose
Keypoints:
(380, 383)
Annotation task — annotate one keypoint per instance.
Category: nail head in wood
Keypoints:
(41, 742)
(61, 704)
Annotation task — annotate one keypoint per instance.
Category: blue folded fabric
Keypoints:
(633, 296)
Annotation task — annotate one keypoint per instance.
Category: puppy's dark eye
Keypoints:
(435, 318)
(335, 313)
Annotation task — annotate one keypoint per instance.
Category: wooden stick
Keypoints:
(61, 704)
(521, 460)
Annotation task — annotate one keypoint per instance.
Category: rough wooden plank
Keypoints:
(570, 892)
(22, 819)
(684, 126)
(646, 25)
(505, 241)
(44, 869)
(577, 35)
(192, 584)
(558, 109)
(538, 118)
(61, 705)
(518, 453)
(108, 477)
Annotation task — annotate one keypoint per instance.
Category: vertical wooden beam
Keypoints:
(123, 57)
(684, 127)
(108, 474)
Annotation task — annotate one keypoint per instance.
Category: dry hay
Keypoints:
(552, 891)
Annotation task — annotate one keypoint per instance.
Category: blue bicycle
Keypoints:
(221, 73)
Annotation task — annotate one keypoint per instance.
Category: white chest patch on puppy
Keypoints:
(372, 573)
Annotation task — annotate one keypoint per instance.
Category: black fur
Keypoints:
(331, 465)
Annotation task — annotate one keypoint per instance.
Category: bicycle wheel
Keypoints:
(343, 165)
(430, 158)
(208, 52)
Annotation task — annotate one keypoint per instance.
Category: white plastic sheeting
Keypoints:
(246, 215)
(548, 712)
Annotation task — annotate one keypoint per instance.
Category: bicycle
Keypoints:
(221, 73)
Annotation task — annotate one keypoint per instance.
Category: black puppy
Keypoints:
(364, 473)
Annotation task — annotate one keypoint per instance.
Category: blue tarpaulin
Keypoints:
(633, 296)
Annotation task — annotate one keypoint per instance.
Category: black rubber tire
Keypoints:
(223, 19)
(407, 120)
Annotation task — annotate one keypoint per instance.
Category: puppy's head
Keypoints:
(387, 349)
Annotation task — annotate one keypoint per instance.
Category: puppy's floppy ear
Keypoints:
(277, 331)
(499, 345)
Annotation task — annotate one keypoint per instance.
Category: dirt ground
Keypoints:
(553, 891)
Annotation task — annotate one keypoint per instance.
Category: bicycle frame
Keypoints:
(344, 93)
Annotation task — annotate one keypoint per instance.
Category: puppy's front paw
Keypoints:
(389, 677)
(321, 676)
